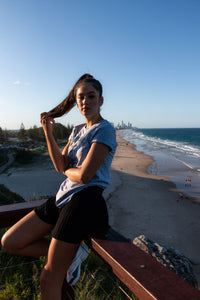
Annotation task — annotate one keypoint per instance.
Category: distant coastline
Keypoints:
(176, 154)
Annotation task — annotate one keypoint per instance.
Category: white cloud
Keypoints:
(17, 82)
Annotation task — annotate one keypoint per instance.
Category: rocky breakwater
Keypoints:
(169, 257)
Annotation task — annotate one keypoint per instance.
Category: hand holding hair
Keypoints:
(46, 121)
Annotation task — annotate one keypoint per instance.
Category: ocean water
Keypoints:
(176, 153)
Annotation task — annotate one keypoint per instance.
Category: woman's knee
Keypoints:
(49, 282)
(8, 244)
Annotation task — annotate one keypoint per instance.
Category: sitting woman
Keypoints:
(79, 209)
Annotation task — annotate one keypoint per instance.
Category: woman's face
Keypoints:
(88, 100)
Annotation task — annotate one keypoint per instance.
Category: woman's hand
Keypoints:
(46, 122)
(59, 160)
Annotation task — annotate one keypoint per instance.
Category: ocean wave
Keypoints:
(162, 144)
(186, 164)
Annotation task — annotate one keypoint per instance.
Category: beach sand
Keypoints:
(141, 203)
(138, 202)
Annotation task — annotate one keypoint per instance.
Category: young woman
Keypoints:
(79, 208)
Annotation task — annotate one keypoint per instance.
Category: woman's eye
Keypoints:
(80, 98)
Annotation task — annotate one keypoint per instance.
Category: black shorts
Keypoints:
(85, 214)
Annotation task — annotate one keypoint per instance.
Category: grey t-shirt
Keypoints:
(81, 140)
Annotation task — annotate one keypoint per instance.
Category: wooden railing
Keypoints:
(141, 273)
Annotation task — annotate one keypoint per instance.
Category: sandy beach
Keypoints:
(138, 202)
(141, 203)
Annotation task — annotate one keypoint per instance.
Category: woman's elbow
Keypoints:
(84, 178)
(61, 165)
(60, 169)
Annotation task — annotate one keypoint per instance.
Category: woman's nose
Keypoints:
(85, 99)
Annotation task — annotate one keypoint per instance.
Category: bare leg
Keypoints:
(60, 257)
(26, 237)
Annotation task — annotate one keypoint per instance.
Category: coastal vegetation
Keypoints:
(34, 134)
(20, 147)
(24, 156)
(3, 136)
(3, 158)
(8, 197)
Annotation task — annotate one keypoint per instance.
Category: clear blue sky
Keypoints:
(146, 53)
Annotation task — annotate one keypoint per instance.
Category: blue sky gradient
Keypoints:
(146, 53)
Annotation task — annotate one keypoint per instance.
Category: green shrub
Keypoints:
(3, 158)
(8, 197)
(24, 156)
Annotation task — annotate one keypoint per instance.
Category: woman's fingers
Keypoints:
(44, 118)
(52, 120)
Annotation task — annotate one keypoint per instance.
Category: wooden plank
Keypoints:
(141, 273)
(10, 214)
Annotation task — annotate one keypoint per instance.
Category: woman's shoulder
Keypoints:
(104, 129)
(105, 133)
(106, 126)
(105, 123)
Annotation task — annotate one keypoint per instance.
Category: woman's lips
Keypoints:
(86, 108)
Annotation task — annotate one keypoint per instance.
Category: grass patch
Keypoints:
(24, 156)
(39, 159)
(19, 279)
(98, 282)
(3, 158)
(8, 197)
(19, 276)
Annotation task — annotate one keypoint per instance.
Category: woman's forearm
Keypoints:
(76, 174)
(59, 160)
(57, 157)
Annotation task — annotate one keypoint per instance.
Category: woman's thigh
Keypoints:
(26, 231)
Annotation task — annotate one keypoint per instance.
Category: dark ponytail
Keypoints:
(70, 101)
